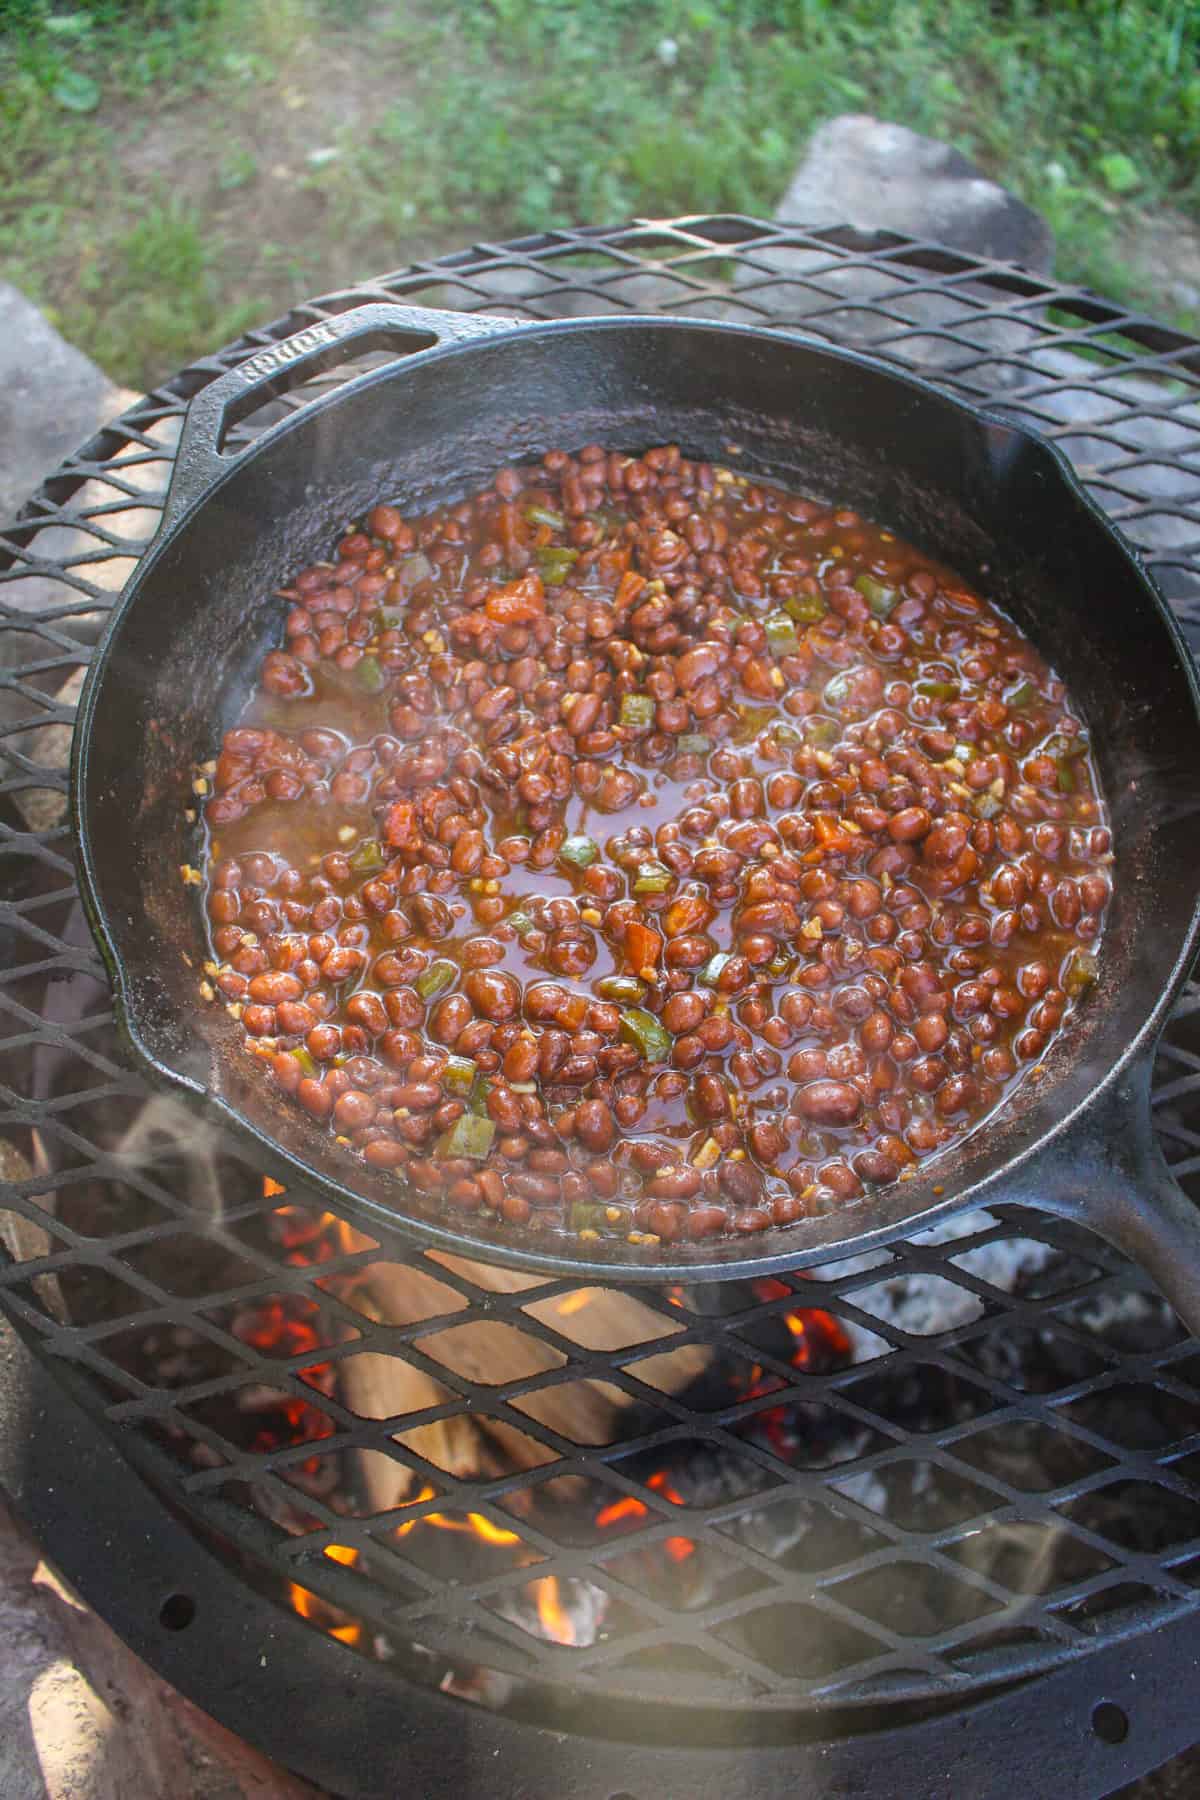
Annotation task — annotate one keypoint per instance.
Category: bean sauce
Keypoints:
(637, 849)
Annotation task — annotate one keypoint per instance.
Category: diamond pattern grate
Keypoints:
(906, 1476)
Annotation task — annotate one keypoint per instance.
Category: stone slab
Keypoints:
(52, 398)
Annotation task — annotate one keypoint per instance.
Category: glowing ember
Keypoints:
(555, 1621)
(628, 1507)
(817, 1334)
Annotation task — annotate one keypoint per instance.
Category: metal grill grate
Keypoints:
(997, 1467)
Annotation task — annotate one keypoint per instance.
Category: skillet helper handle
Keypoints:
(1112, 1177)
(200, 458)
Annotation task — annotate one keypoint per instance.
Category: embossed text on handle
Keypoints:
(278, 357)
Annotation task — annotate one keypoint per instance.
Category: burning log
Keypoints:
(492, 1352)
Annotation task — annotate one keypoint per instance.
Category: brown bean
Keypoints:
(711, 1096)
(683, 1012)
(829, 1102)
(677, 1183)
(766, 1142)
(495, 995)
(910, 823)
(315, 1098)
(275, 986)
(353, 1109)
(521, 1060)
(715, 1033)
(259, 1021)
(449, 1017)
(417, 1096)
(293, 1019)
(594, 1125)
(554, 1047)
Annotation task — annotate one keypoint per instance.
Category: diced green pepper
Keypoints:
(693, 743)
(458, 1075)
(1081, 972)
(370, 676)
(414, 568)
(436, 979)
(580, 852)
(786, 736)
(468, 1136)
(782, 639)
(806, 609)
(1021, 695)
(369, 855)
(389, 618)
(637, 711)
(305, 1060)
(542, 515)
(554, 565)
(821, 732)
(585, 1215)
(751, 720)
(520, 922)
(937, 690)
(712, 968)
(1059, 744)
(620, 990)
(879, 598)
(837, 690)
(652, 878)
(645, 1033)
(1066, 775)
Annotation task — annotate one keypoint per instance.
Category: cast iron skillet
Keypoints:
(473, 393)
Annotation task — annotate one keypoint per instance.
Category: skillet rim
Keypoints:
(900, 1203)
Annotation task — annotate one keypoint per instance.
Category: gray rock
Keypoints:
(52, 397)
(872, 176)
(876, 176)
(82, 1718)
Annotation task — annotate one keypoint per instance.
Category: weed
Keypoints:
(305, 142)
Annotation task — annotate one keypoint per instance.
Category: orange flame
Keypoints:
(814, 1331)
(552, 1616)
(573, 1303)
(317, 1612)
(475, 1524)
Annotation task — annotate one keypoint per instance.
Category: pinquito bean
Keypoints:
(671, 852)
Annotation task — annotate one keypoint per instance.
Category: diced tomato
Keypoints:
(643, 947)
(519, 603)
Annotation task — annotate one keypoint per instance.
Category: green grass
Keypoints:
(169, 171)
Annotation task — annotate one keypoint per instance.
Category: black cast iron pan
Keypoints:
(473, 393)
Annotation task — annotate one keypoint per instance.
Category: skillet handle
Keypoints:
(379, 325)
(1110, 1175)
